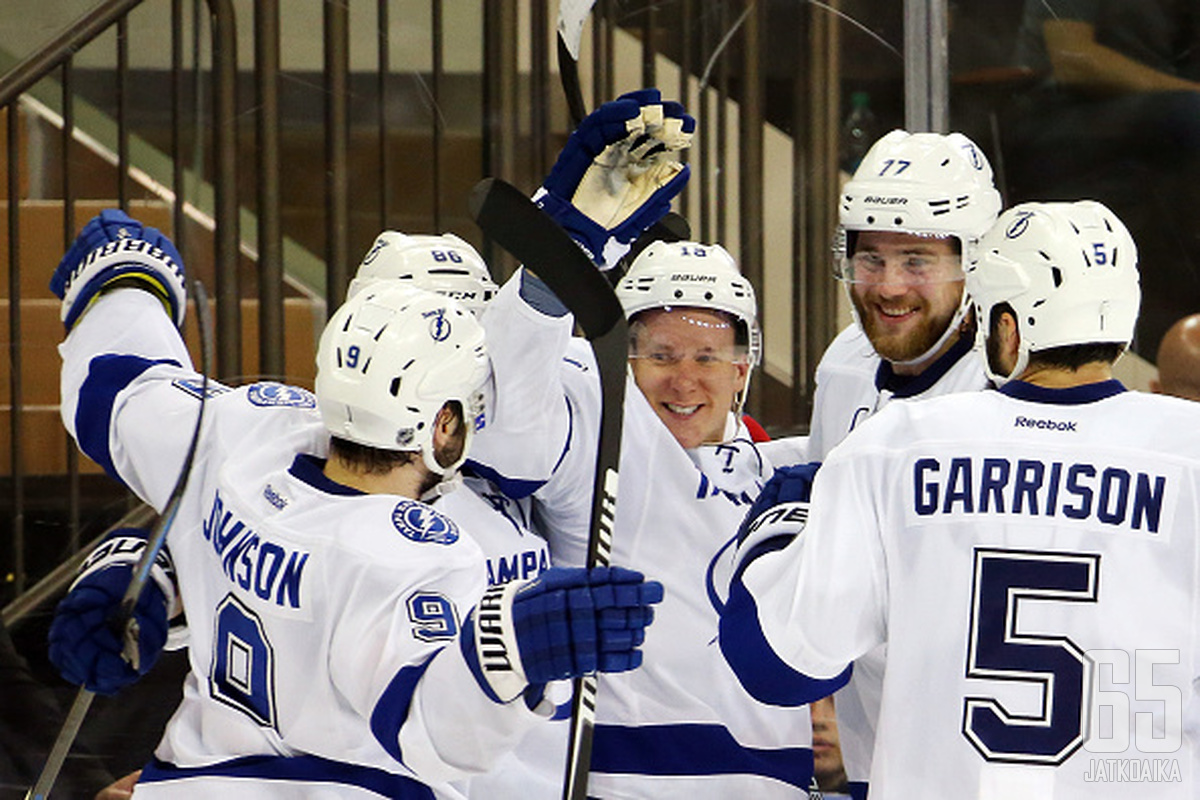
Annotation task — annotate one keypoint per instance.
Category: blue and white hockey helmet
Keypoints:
(693, 275)
(388, 361)
(926, 184)
(443, 264)
(1069, 271)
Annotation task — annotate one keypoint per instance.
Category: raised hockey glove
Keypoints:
(87, 643)
(566, 623)
(617, 174)
(112, 246)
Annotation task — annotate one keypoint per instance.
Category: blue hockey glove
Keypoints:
(111, 246)
(85, 645)
(566, 623)
(617, 174)
(781, 510)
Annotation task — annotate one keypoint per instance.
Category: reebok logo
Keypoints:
(1045, 424)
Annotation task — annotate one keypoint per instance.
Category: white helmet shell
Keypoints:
(690, 274)
(443, 264)
(1069, 271)
(928, 184)
(390, 358)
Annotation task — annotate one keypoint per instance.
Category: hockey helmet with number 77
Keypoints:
(388, 361)
(443, 264)
(1068, 270)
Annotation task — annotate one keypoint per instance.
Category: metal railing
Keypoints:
(710, 55)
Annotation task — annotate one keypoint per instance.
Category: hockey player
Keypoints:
(500, 522)
(1028, 554)
(340, 636)
(916, 203)
(688, 472)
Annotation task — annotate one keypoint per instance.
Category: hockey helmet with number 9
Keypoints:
(390, 358)
(443, 264)
(690, 274)
(1068, 270)
(927, 184)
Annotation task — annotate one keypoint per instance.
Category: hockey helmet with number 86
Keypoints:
(443, 264)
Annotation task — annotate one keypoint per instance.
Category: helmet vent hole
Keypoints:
(1056, 274)
(898, 221)
(870, 220)
(407, 364)
(678, 294)
(1032, 322)
(394, 389)
(945, 162)
(708, 295)
(365, 365)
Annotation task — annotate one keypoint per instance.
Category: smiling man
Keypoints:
(916, 203)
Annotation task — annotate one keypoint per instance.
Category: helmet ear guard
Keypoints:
(388, 361)
(1069, 272)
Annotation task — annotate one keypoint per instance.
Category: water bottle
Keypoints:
(859, 131)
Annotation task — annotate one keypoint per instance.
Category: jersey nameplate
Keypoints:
(421, 523)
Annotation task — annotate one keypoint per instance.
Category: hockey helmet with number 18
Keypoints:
(390, 358)
(690, 274)
(443, 264)
(1068, 270)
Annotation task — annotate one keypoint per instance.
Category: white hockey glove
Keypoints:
(617, 174)
(115, 246)
(566, 623)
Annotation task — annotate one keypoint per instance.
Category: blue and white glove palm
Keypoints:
(617, 174)
(85, 645)
(112, 246)
(566, 623)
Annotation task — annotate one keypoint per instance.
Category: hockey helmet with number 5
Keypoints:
(443, 264)
(927, 184)
(690, 274)
(1068, 270)
(390, 358)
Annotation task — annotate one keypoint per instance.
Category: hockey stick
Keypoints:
(571, 16)
(123, 619)
(511, 219)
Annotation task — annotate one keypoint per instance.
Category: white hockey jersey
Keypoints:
(323, 623)
(1031, 559)
(853, 382)
(680, 725)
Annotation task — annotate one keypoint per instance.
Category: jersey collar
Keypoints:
(912, 385)
(1075, 395)
(310, 470)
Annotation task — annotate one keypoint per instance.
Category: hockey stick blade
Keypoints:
(515, 222)
(509, 217)
(123, 620)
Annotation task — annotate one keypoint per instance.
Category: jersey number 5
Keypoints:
(999, 650)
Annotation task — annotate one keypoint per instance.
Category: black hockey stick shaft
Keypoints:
(124, 620)
(514, 222)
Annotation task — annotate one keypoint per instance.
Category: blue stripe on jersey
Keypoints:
(913, 385)
(310, 769)
(693, 749)
(392, 708)
(761, 672)
(107, 376)
(510, 487)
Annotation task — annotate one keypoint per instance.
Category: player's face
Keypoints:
(906, 289)
(687, 365)
(827, 752)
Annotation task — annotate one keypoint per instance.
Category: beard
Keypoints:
(911, 342)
